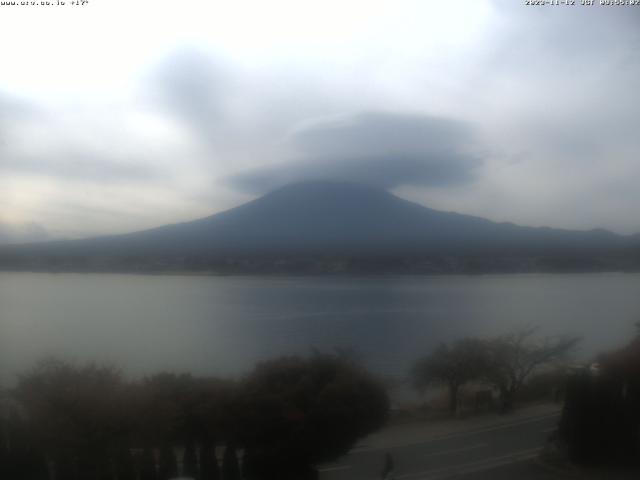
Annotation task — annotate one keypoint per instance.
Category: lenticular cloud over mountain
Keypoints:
(380, 149)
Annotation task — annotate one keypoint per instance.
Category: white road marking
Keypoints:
(333, 469)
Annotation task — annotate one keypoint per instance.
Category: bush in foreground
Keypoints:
(298, 412)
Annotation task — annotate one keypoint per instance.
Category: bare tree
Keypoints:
(453, 366)
(514, 357)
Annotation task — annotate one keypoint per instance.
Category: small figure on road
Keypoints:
(388, 468)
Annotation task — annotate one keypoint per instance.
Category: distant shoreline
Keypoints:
(213, 273)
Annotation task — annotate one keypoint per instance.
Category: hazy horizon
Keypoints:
(34, 235)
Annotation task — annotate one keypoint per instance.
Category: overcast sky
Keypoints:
(125, 114)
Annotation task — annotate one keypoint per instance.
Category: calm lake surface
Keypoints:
(223, 325)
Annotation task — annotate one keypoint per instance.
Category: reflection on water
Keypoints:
(222, 325)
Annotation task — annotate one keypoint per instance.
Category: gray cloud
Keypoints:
(79, 166)
(104, 158)
(193, 87)
(234, 114)
(22, 233)
(12, 107)
(382, 149)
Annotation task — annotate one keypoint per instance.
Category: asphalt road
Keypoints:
(498, 451)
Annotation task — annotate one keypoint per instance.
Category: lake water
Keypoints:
(223, 325)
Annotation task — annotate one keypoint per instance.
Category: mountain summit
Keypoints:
(323, 218)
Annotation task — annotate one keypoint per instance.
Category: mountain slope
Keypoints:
(331, 218)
